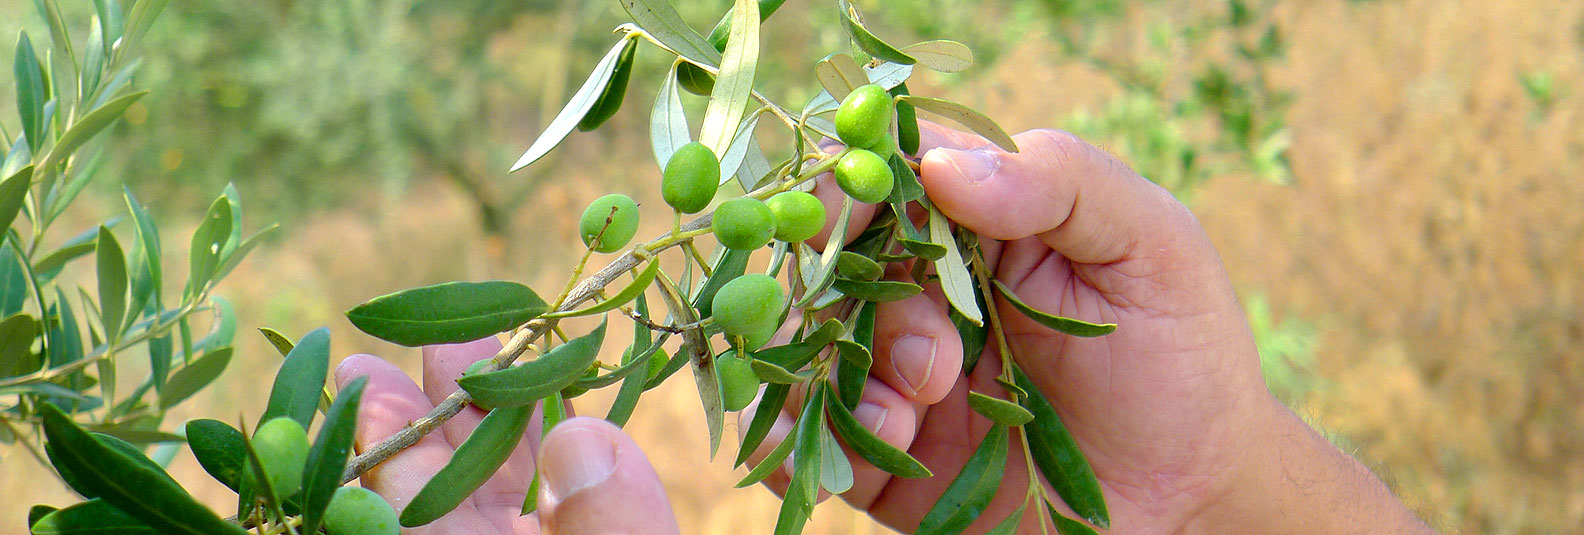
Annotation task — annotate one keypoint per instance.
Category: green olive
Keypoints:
(743, 223)
(865, 176)
(282, 448)
(739, 385)
(864, 116)
(690, 179)
(621, 212)
(476, 367)
(359, 511)
(798, 215)
(744, 306)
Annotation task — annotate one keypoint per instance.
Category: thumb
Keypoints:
(596, 480)
(1078, 199)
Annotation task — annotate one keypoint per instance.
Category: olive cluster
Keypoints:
(748, 308)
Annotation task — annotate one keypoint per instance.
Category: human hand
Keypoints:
(594, 479)
(1171, 410)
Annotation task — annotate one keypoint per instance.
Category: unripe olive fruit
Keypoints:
(744, 306)
(757, 339)
(359, 511)
(743, 223)
(621, 211)
(885, 147)
(282, 448)
(864, 116)
(476, 367)
(739, 385)
(865, 176)
(690, 178)
(798, 215)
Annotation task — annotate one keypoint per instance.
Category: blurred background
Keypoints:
(1395, 187)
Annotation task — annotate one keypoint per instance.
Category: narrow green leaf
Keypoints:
(60, 197)
(31, 94)
(1068, 526)
(965, 116)
(879, 453)
(943, 55)
(295, 393)
(770, 404)
(13, 279)
(582, 101)
(484, 451)
(328, 458)
(777, 375)
(38, 512)
(803, 490)
(80, 484)
(448, 313)
(112, 275)
(208, 240)
(627, 294)
(795, 356)
(52, 263)
(906, 187)
(131, 486)
(1058, 457)
(219, 450)
(193, 377)
(770, 463)
(65, 339)
(660, 20)
(610, 100)
(1009, 525)
(955, 281)
(1065, 325)
(87, 127)
(907, 127)
(93, 517)
(877, 291)
(737, 155)
(16, 345)
(527, 383)
(968, 495)
(836, 475)
(973, 335)
(668, 122)
(707, 380)
(999, 410)
(93, 61)
(110, 16)
(234, 256)
(858, 267)
(279, 341)
(871, 44)
(734, 84)
(839, 74)
(140, 19)
(632, 387)
(817, 277)
(630, 366)
(12, 193)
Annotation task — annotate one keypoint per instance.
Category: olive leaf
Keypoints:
(770, 404)
(878, 291)
(955, 281)
(743, 143)
(668, 122)
(868, 42)
(1065, 325)
(661, 21)
(12, 192)
(968, 495)
(203, 254)
(1068, 526)
(872, 448)
(965, 116)
(529, 382)
(819, 271)
(1009, 525)
(640, 283)
(448, 313)
(999, 410)
(774, 374)
(803, 489)
(633, 385)
(218, 448)
(908, 141)
(16, 346)
(836, 474)
(610, 99)
(90, 517)
(327, 459)
(888, 75)
(582, 101)
(194, 376)
(734, 84)
(86, 128)
(839, 74)
(858, 267)
(300, 379)
(484, 451)
(31, 93)
(1059, 459)
(770, 463)
(942, 55)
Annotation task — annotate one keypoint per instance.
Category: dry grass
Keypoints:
(1434, 234)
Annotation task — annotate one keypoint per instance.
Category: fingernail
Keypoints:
(872, 416)
(973, 165)
(576, 459)
(913, 359)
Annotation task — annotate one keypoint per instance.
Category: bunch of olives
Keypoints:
(282, 448)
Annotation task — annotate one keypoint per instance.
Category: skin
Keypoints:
(1171, 409)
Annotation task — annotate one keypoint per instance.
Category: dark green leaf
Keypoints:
(633, 386)
(973, 335)
(80, 484)
(907, 133)
(582, 101)
(968, 495)
(858, 267)
(219, 450)
(795, 356)
(87, 127)
(37, 512)
(328, 457)
(448, 313)
(16, 345)
(880, 454)
(132, 434)
(965, 116)
(31, 93)
(871, 44)
(615, 91)
(1065, 325)
(770, 463)
(1068, 526)
(527, 383)
(942, 55)
(295, 393)
(13, 280)
(193, 377)
(632, 291)
(1058, 457)
(668, 123)
(1009, 525)
(770, 404)
(999, 410)
(852, 373)
(803, 490)
(906, 187)
(484, 451)
(877, 291)
(93, 517)
(112, 276)
(12, 193)
(204, 254)
(129, 485)
(65, 339)
(734, 84)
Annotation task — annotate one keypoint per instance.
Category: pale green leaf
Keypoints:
(582, 101)
(734, 84)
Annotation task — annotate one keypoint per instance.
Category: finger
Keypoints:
(390, 402)
(916, 348)
(596, 480)
(1078, 199)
